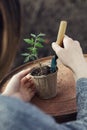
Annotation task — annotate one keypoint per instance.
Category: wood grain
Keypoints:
(61, 32)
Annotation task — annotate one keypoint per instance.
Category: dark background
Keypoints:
(44, 16)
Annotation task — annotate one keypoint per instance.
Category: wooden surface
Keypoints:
(65, 102)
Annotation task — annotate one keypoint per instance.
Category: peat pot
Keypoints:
(46, 85)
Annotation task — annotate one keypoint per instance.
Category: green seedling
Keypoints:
(35, 43)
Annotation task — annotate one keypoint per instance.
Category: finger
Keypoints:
(29, 76)
(33, 89)
(31, 84)
(28, 84)
(67, 41)
(56, 47)
(76, 42)
(25, 80)
(32, 93)
(23, 73)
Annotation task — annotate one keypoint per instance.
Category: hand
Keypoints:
(21, 86)
(72, 56)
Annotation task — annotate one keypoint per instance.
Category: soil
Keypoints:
(38, 72)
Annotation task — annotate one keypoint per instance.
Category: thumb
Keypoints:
(56, 47)
(23, 73)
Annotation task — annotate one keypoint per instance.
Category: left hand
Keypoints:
(21, 85)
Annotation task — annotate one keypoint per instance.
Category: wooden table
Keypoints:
(63, 106)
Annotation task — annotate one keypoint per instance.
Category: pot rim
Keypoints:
(45, 76)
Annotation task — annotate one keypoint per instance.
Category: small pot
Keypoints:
(46, 85)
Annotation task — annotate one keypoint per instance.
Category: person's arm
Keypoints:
(27, 117)
(71, 56)
(32, 118)
(81, 120)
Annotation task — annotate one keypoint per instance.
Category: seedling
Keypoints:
(35, 43)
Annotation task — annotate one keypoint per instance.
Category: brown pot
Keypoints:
(46, 85)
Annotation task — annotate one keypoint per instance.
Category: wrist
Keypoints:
(81, 70)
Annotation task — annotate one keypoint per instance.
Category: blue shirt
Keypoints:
(17, 115)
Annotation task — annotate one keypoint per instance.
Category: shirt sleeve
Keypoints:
(16, 115)
(81, 98)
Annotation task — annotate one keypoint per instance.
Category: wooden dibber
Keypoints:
(61, 32)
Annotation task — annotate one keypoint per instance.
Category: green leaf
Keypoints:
(40, 40)
(34, 51)
(32, 39)
(38, 45)
(30, 48)
(27, 59)
(25, 54)
(41, 35)
(33, 35)
(33, 56)
(35, 43)
(29, 41)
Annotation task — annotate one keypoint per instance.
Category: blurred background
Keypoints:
(35, 16)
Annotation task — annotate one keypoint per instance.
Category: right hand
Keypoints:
(72, 56)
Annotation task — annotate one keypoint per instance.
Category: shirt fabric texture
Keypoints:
(18, 115)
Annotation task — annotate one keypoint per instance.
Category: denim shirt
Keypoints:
(17, 115)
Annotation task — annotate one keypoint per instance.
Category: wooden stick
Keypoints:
(61, 32)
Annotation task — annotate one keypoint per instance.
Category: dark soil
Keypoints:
(38, 72)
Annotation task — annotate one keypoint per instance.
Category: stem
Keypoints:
(37, 57)
(39, 65)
